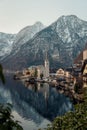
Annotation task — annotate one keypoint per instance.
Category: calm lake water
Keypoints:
(34, 105)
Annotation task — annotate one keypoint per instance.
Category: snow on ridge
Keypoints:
(6, 42)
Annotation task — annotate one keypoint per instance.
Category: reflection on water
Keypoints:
(35, 104)
(47, 101)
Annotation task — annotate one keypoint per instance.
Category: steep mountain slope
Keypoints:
(26, 34)
(64, 40)
(6, 41)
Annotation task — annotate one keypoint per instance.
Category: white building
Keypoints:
(44, 69)
(40, 70)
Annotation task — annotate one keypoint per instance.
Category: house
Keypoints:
(40, 71)
(29, 71)
(84, 70)
(82, 56)
(63, 73)
(60, 72)
(79, 63)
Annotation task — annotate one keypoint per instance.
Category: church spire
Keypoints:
(46, 65)
(46, 56)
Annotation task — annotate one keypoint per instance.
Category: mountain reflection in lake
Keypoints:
(35, 105)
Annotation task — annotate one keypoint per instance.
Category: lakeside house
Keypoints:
(80, 63)
(80, 68)
(84, 70)
(63, 73)
(81, 57)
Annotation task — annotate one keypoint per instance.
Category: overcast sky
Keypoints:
(16, 14)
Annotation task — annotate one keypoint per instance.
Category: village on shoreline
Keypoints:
(70, 81)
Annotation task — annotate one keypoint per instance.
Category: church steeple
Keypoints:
(46, 58)
(46, 66)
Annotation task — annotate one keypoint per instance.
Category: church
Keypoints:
(43, 69)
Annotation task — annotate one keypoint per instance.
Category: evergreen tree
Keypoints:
(73, 120)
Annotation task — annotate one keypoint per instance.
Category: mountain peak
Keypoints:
(27, 33)
(69, 19)
(67, 24)
(63, 17)
(38, 23)
(69, 16)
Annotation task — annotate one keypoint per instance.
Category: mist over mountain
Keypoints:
(63, 40)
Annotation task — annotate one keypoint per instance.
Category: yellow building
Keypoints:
(60, 73)
(63, 73)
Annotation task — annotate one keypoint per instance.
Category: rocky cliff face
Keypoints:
(6, 41)
(26, 34)
(12, 42)
(63, 40)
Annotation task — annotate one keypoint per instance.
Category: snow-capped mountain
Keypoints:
(63, 40)
(26, 34)
(12, 43)
(65, 26)
(6, 41)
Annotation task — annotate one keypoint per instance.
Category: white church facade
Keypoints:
(43, 69)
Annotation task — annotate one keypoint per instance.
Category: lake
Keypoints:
(34, 106)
